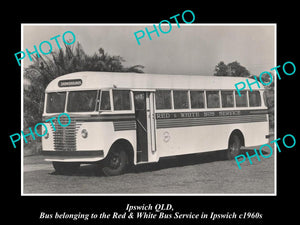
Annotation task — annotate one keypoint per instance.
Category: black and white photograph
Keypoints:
(150, 113)
(178, 114)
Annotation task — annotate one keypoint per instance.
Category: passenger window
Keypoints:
(227, 99)
(105, 101)
(241, 101)
(121, 100)
(254, 98)
(213, 99)
(180, 100)
(197, 99)
(163, 99)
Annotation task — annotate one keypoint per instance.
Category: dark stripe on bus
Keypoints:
(208, 118)
(183, 122)
(124, 125)
(98, 118)
(179, 119)
(209, 114)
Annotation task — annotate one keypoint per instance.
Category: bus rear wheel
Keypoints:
(234, 147)
(115, 163)
(65, 167)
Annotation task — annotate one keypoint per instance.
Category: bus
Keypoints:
(123, 119)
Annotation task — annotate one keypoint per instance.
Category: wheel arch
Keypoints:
(122, 143)
(240, 134)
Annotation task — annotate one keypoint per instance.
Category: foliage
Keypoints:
(69, 59)
(268, 95)
(234, 69)
(221, 69)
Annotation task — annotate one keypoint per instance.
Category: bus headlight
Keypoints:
(84, 133)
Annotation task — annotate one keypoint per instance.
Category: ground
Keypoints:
(205, 173)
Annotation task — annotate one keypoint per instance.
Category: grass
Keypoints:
(32, 148)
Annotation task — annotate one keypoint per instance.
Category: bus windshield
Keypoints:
(78, 101)
(56, 102)
(82, 101)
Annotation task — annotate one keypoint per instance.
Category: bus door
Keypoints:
(145, 126)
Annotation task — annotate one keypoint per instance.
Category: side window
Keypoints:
(181, 100)
(241, 101)
(197, 99)
(121, 100)
(227, 99)
(213, 99)
(105, 101)
(163, 99)
(254, 98)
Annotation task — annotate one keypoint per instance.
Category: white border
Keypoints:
(153, 194)
(22, 109)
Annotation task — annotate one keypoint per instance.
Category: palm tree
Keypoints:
(71, 58)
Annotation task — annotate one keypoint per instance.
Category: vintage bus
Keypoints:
(122, 119)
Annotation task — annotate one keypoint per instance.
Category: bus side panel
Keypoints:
(99, 136)
(255, 133)
(187, 140)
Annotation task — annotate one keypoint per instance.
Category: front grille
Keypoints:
(65, 137)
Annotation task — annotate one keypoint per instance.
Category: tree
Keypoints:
(268, 94)
(69, 59)
(237, 70)
(266, 79)
(234, 69)
(221, 69)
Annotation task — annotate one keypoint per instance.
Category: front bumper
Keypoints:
(73, 156)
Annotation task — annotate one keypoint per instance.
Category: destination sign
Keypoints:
(69, 83)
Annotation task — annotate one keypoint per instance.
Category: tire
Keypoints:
(234, 147)
(116, 162)
(65, 167)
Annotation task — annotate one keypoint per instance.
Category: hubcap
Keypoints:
(115, 161)
(234, 148)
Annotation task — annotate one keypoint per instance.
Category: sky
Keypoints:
(191, 49)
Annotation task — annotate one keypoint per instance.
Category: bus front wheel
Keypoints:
(234, 147)
(115, 163)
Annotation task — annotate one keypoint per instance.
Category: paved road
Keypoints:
(194, 174)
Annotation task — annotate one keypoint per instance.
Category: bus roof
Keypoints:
(102, 80)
